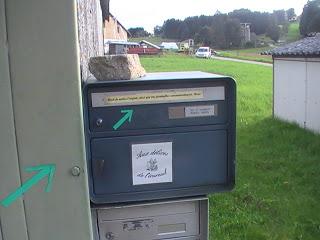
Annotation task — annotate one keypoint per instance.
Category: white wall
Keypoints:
(296, 91)
(313, 91)
(289, 91)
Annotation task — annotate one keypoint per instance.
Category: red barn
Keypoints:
(145, 48)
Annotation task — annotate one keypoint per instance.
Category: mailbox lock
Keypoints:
(75, 171)
(110, 236)
(99, 122)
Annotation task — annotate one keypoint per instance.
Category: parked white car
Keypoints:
(203, 52)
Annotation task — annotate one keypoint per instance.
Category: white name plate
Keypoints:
(152, 163)
(200, 111)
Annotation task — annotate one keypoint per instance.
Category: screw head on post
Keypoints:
(75, 171)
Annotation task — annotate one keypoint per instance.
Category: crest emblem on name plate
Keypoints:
(152, 165)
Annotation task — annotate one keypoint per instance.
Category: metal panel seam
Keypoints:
(273, 87)
(306, 96)
(13, 117)
(80, 76)
(1, 235)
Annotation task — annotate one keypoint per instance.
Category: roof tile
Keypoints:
(307, 47)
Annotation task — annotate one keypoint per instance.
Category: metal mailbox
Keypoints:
(185, 219)
(166, 135)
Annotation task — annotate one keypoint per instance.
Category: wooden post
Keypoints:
(90, 31)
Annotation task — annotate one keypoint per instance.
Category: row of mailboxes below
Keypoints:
(164, 136)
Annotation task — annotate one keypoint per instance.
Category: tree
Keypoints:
(138, 32)
(193, 25)
(158, 31)
(291, 13)
(219, 31)
(273, 30)
(233, 33)
(259, 21)
(224, 30)
(310, 19)
(170, 28)
(280, 16)
(205, 36)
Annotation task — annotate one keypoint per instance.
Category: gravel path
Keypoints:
(243, 61)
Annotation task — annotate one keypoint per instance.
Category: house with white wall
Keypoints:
(296, 82)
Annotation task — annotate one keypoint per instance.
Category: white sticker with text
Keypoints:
(152, 163)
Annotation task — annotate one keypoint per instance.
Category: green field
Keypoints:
(253, 54)
(277, 190)
(293, 32)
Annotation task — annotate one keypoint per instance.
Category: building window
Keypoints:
(118, 29)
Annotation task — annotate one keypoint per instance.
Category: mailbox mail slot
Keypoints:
(166, 135)
(185, 219)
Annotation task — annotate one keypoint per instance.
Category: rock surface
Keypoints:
(116, 67)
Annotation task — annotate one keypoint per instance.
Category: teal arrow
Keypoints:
(127, 116)
(42, 172)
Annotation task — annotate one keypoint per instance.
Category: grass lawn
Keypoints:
(247, 54)
(277, 190)
(293, 32)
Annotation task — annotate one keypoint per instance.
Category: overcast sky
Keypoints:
(149, 13)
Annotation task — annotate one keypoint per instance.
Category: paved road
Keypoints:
(243, 61)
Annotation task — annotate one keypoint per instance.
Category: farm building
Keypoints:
(145, 48)
(114, 32)
(120, 47)
(296, 95)
(186, 45)
(169, 46)
(245, 32)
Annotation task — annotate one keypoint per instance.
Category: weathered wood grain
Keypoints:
(90, 31)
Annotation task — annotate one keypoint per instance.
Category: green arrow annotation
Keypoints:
(127, 116)
(43, 171)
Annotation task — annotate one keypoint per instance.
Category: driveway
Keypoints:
(243, 61)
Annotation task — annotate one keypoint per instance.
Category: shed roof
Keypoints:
(307, 47)
(169, 45)
(150, 44)
(122, 43)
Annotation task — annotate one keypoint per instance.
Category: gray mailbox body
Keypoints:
(166, 135)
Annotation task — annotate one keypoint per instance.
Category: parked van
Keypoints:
(203, 52)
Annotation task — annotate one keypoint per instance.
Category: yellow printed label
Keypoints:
(154, 97)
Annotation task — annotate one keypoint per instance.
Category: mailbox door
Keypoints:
(185, 164)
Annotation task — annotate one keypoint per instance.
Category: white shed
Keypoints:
(169, 46)
(296, 82)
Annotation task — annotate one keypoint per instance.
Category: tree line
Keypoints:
(224, 30)
(138, 32)
(310, 18)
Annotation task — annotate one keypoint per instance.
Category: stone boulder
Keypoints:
(116, 67)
